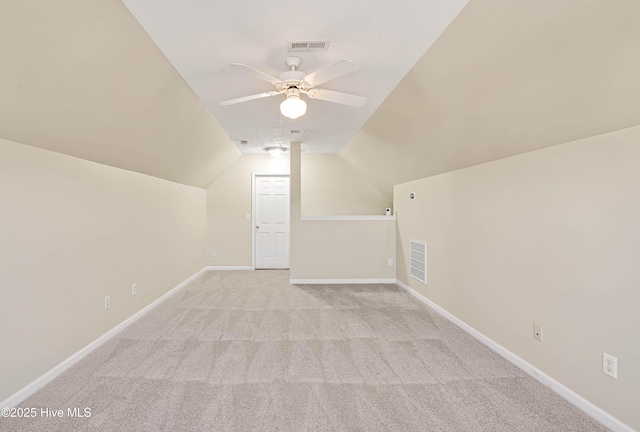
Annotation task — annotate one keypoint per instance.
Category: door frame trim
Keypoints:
(254, 175)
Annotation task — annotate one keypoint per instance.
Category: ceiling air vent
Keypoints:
(308, 46)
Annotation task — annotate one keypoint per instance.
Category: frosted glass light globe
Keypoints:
(293, 107)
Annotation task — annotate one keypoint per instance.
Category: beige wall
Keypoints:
(551, 236)
(343, 249)
(336, 249)
(228, 203)
(329, 186)
(73, 232)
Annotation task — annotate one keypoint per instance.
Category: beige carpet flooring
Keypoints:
(247, 351)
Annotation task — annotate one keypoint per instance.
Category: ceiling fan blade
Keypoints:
(337, 97)
(262, 75)
(331, 71)
(252, 97)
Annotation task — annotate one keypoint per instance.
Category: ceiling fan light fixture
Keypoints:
(293, 107)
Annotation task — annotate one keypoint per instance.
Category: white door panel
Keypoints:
(272, 222)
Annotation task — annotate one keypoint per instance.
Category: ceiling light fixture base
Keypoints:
(276, 150)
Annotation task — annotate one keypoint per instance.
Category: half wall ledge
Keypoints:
(348, 218)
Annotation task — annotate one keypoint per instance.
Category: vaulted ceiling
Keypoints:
(201, 38)
(85, 79)
(506, 78)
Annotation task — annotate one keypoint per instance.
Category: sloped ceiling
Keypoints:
(201, 38)
(506, 78)
(84, 79)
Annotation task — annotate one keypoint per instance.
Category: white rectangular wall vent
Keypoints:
(308, 46)
(418, 255)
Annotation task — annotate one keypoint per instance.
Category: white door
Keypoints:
(271, 222)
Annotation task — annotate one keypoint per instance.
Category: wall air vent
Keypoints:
(308, 46)
(418, 255)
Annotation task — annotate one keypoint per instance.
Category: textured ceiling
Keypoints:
(201, 39)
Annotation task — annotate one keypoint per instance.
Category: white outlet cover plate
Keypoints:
(537, 331)
(610, 365)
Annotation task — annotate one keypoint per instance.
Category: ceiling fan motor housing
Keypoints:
(292, 79)
(293, 91)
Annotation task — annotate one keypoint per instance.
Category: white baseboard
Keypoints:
(208, 268)
(589, 408)
(340, 281)
(22, 394)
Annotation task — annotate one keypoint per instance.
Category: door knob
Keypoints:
(257, 226)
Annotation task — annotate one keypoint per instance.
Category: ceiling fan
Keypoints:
(294, 82)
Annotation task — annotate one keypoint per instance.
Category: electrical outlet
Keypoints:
(537, 331)
(213, 253)
(107, 302)
(610, 365)
(390, 262)
(134, 289)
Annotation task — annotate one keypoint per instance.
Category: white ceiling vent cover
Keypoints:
(308, 46)
(419, 260)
